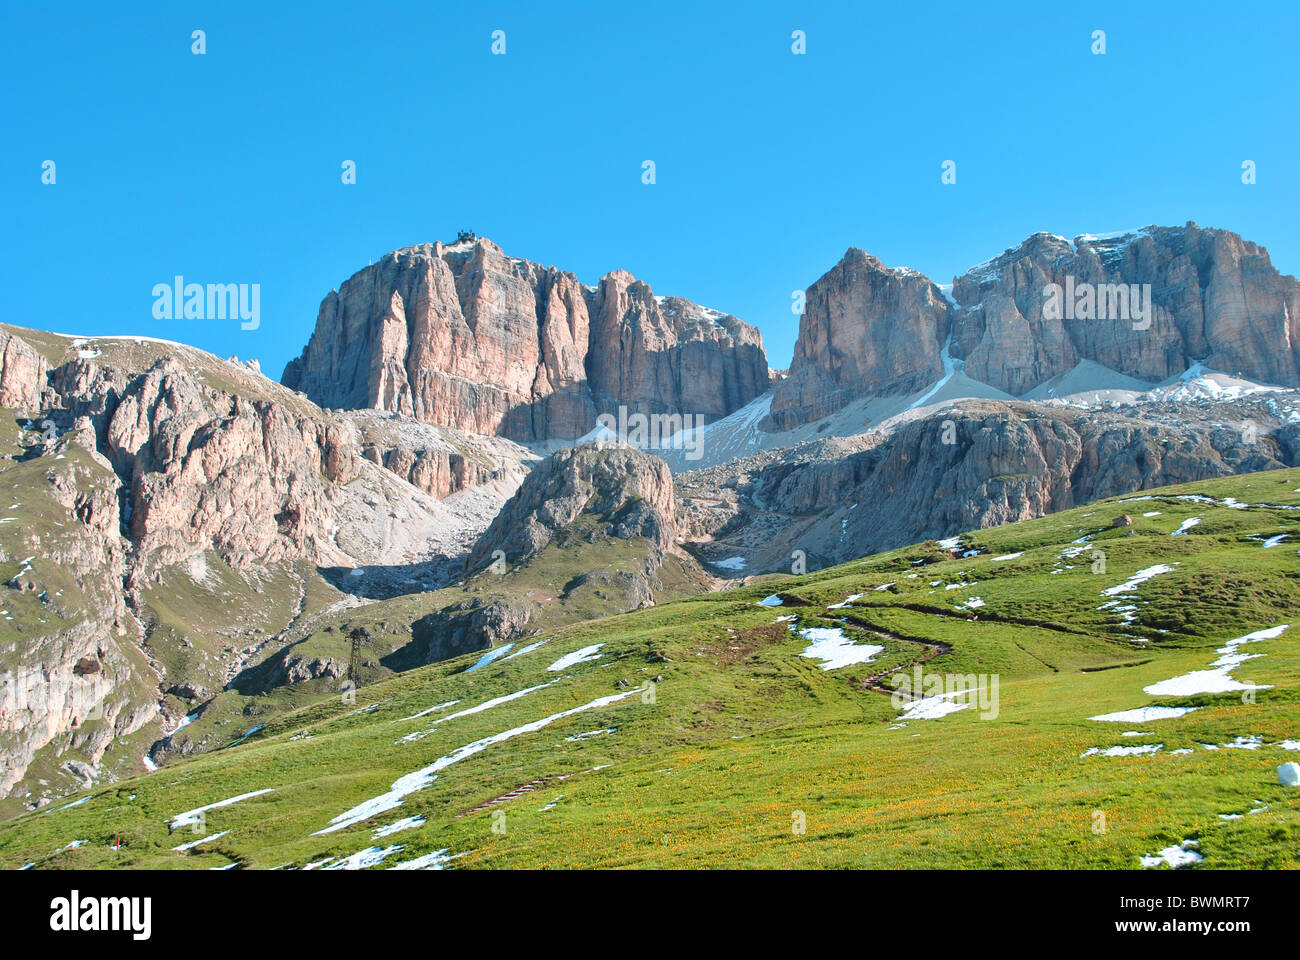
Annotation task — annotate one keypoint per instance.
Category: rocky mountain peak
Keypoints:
(864, 327)
(1213, 298)
(462, 335)
(1196, 295)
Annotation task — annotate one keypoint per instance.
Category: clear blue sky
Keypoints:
(226, 167)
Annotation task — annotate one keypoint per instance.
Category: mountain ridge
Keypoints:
(1217, 299)
(466, 336)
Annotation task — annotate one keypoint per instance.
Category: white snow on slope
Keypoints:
(364, 858)
(1219, 678)
(495, 653)
(397, 826)
(430, 861)
(932, 708)
(528, 649)
(1142, 576)
(192, 816)
(424, 777)
(1135, 751)
(194, 843)
(584, 655)
(1144, 714)
(1180, 856)
(834, 649)
(424, 713)
(485, 705)
(950, 367)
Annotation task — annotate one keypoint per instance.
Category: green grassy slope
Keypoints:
(745, 753)
(564, 583)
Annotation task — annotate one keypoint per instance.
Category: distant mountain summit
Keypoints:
(464, 336)
(1038, 310)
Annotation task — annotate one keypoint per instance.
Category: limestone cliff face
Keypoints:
(467, 337)
(865, 328)
(22, 374)
(666, 354)
(436, 472)
(70, 669)
(126, 473)
(208, 469)
(1215, 298)
(439, 460)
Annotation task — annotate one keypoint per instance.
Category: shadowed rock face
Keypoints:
(629, 491)
(1216, 298)
(977, 465)
(466, 337)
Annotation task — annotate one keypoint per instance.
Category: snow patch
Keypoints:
(1144, 714)
(585, 655)
(834, 649)
(424, 777)
(190, 817)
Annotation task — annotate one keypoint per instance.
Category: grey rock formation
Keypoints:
(1215, 299)
(467, 337)
(865, 328)
(626, 492)
(977, 465)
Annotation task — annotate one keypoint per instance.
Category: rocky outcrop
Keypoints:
(464, 336)
(207, 469)
(439, 473)
(865, 329)
(436, 459)
(978, 465)
(22, 373)
(300, 669)
(470, 625)
(626, 492)
(669, 355)
(71, 678)
(1215, 299)
(126, 474)
(585, 498)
